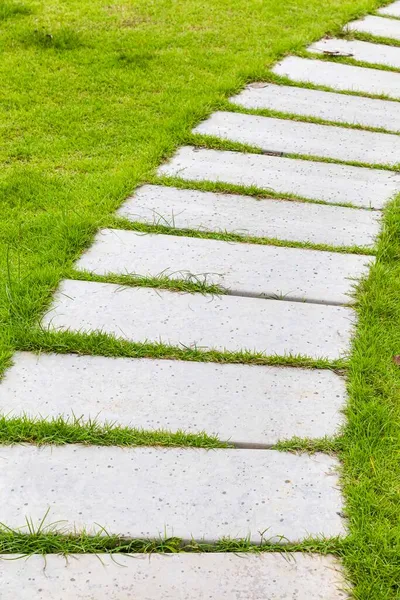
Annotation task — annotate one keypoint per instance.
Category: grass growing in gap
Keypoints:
(215, 143)
(95, 97)
(186, 282)
(48, 539)
(58, 430)
(232, 188)
(226, 236)
(266, 112)
(103, 344)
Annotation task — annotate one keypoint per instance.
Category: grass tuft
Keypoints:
(64, 38)
(186, 282)
(50, 539)
(75, 430)
(163, 227)
(12, 9)
(104, 344)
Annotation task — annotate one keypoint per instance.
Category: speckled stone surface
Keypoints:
(245, 404)
(285, 220)
(392, 10)
(295, 137)
(330, 106)
(315, 180)
(243, 269)
(358, 50)
(184, 492)
(202, 320)
(267, 576)
(378, 26)
(339, 76)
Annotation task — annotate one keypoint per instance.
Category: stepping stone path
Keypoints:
(377, 26)
(362, 51)
(276, 301)
(329, 106)
(291, 137)
(184, 576)
(340, 76)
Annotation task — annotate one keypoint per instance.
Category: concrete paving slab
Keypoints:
(340, 77)
(363, 51)
(214, 576)
(244, 215)
(244, 404)
(330, 106)
(202, 320)
(369, 188)
(243, 269)
(378, 26)
(393, 10)
(184, 492)
(294, 137)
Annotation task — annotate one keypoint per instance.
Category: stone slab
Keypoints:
(244, 215)
(184, 492)
(331, 183)
(340, 77)
(330, 106)
(377, 26)
(294, 137)
(243, 269)
(214, 576)
(393, 10)
(202, 320)
(363, 51)
(244, 404)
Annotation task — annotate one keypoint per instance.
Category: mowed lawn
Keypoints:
(94, 96)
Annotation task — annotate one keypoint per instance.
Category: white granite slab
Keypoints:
(294, 137)
(379, 54)
(244, 404)
(377, 26)
(332, 183)
(152, 492)
(339, 76)
(243, 269)
(214, 576)
(247, 216)
(202, 320)
(330, 106)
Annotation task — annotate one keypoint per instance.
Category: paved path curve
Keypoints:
(279, 302)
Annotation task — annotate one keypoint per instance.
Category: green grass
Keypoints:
(186, 282)
(216, 143)
(95, 96)
(164, 229)
(58, 431)
(46, 539)
(265, 112)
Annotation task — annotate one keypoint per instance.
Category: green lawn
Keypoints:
(94, 96)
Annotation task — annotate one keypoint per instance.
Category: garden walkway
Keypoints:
(290, 297)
